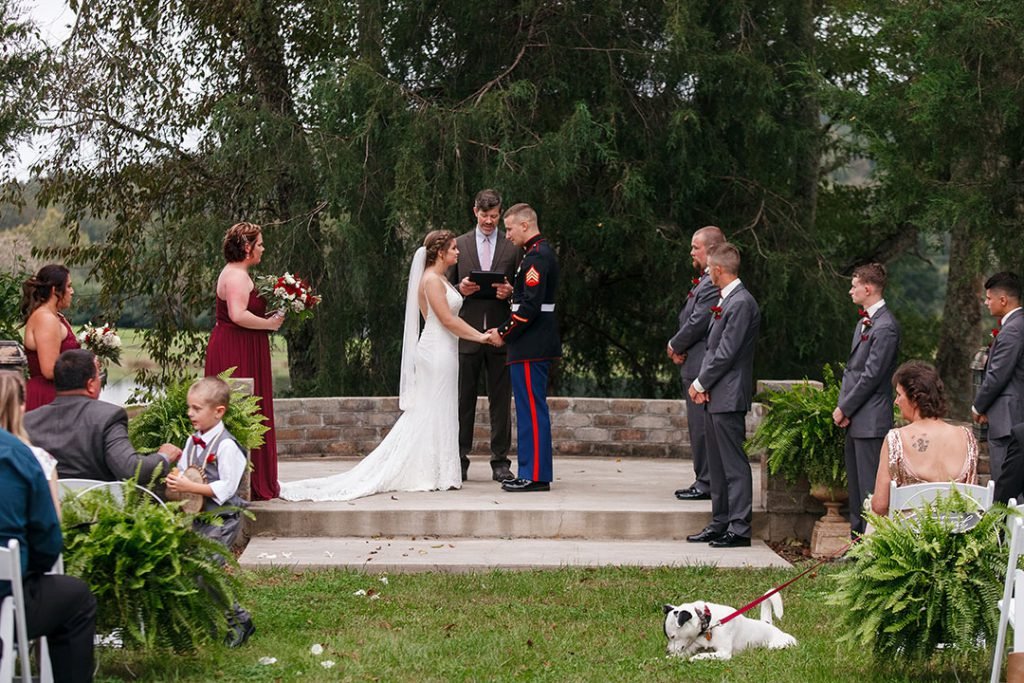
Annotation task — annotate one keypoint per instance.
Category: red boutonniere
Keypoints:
(695, 281)
(867, 323)
(995, 333)
(211, 458)
(717, 312)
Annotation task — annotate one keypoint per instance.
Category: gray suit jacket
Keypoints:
(727, 372)
(694, 319)
(1001, 394)
(89, 439)
(475, 311)
(865, 395)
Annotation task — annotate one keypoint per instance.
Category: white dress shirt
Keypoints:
(230, 461)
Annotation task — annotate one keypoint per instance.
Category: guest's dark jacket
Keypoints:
(26, 509)
(89, 439)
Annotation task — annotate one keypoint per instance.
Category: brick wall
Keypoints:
(347, 426)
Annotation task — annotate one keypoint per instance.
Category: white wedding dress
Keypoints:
(421, 452)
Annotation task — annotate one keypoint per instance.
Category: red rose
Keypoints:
(211, 458)
(716, 311)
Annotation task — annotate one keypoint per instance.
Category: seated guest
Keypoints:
(221, 459)
(12, 414)
(58, 607)
(88, 437)
(928, 449)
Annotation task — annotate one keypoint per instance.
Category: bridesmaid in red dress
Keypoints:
(240, 339)
(47, 332)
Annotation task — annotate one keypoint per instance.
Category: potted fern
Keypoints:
(165, 420)
(801, 439)
(923, 590)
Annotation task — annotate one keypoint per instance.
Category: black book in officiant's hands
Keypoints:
(485, 279)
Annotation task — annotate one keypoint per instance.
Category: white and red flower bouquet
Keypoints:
(288, 294)
(102, 341)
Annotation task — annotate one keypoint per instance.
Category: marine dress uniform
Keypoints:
(531, 334)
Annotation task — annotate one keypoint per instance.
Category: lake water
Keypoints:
(118, 392)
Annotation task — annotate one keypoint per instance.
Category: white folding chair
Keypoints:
(1012, 603)
(66, 486)
(12, 616)
(913, 496)
(116, 489)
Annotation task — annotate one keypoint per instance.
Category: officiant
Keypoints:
(484, 250)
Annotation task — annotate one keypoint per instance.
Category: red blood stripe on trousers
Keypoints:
(533, 421)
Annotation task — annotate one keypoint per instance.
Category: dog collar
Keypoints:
(705, 623)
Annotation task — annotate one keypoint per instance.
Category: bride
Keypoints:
(421, 452)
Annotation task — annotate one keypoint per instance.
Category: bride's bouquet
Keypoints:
(288, 294)
(102, 341)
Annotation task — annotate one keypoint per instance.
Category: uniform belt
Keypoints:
(544, 308)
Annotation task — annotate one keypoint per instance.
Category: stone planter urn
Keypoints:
(831, 532)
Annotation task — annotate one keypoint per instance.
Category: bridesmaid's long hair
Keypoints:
(435, 242)
(237, 238)
(36, 291)
(12, 403)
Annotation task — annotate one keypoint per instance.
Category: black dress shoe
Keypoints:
(502, 474)
(693, 493)
(517, 485)
(240, 633)
(465, 472)
(730, 540)
(706, 535)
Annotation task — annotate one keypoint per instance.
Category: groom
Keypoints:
(533, 342)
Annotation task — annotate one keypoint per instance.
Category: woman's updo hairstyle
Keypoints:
(36, 291)
(436, 242)
(922, 386)
(237, 238)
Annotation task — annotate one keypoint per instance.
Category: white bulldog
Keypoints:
(694, 626)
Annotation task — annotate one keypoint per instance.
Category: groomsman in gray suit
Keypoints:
(686, 349)
(1000, 398)
(865, 396)
(485, 248)
(725, 386)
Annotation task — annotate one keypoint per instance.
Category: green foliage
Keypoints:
(165, 419)
(154, 578)
(915, 584)
(800, 436)
(10, 303)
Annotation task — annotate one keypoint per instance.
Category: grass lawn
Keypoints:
(565, 625)
(134, 357)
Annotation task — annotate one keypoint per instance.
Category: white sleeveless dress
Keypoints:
(421, 452)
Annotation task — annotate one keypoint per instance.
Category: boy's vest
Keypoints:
(201, 458)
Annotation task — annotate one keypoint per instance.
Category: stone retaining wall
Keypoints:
(353, 426)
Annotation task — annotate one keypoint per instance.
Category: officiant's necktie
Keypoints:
(485, 254)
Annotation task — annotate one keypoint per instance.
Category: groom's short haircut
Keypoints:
(871, 274)
(73, 370)
(487, 199)
(726, 256)
(521, 212)
(710, 236)
(1006, 283)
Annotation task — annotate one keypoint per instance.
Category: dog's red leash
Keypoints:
(751, 605)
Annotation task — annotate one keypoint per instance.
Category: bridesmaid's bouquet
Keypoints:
(288, 294)
(102, 341)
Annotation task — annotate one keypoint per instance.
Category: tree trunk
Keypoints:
(961, 315)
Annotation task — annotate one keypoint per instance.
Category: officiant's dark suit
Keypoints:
(865, 395)
(725, 385)
(1000, 398)
(474, 358)
(89, 437)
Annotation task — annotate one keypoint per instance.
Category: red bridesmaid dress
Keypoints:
(40, 391)
(249, 351)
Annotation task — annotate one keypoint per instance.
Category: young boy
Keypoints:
(220, 457)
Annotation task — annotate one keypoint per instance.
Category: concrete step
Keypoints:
(407, 554)
(591, 498)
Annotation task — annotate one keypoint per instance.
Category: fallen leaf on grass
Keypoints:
(360, 592)
(327, 664)
(383, 580)
(267, 661)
